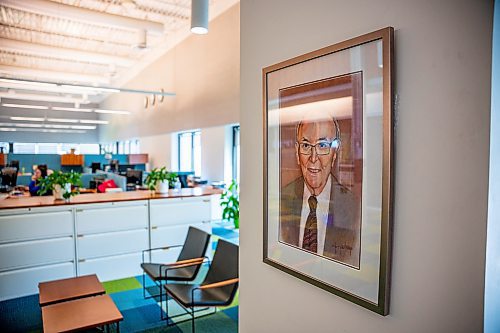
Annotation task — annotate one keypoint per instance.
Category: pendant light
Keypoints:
(199, 17)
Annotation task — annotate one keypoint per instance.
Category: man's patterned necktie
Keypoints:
(310, 241)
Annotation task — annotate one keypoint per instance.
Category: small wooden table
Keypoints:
(81, 314)
(69, 289)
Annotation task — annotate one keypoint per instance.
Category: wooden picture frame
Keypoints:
(328, 161)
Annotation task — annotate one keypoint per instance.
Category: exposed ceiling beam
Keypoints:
(83, 15)
(62, 53)
(36, 74)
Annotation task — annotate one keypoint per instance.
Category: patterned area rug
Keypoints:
(140, 315)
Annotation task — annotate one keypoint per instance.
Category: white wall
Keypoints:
(443, 58)
(159, 150)
(492, 287)
(212, 153)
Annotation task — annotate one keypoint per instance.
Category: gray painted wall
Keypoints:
(492, 288)
(443, 62)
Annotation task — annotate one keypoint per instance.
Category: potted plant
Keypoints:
(160, 180)
(230, 202)
(60, 184)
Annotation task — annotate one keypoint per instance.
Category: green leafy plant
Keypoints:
(230, 202)
(60, 178)
(160, 175)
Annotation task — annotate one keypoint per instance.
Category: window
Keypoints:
(190, 152)
(5, 147)
(236, 153)
(65, 148)
(89, 148)
(24, 148)
(135, 147)
(47, 148)
(109, 148)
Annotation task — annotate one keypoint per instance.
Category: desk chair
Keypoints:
(218, 288)
(184, 269)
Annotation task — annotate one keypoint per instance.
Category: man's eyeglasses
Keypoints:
(322, 147)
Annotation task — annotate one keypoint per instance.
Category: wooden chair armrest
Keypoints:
(219, 284)
(184, 263)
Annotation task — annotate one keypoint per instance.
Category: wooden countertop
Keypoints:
(28, 202)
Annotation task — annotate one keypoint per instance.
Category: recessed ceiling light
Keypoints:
(27, 118)
(20, 125)
(56, 126)
(62, 120)
(58, 108)
(112, 111)
(4, 129)
(25, 106)
(86, 121)
(83, 127)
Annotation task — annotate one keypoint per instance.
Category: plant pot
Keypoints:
(162, 187)
(59, 191)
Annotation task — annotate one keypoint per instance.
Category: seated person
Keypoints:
(34, 185)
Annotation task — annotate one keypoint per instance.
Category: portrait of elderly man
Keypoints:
(317, 213)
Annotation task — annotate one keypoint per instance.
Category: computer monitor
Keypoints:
(9, 176)
(123, 168)
(114, 165)
(183, 180)
(183, 175)
(134, 177)
(95, 166)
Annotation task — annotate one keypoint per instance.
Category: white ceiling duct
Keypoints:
(83, 15)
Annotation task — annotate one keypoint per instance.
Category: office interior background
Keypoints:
(446, 220)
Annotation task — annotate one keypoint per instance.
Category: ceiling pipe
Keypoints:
(84, 15)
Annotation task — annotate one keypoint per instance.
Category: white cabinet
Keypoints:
(35, 253)
(27, 224)
(112, 243)
(112, 267)
(22, 282)
(36, 244)
(175, 211)
(48, 243)
(111, 237)
(170, 220)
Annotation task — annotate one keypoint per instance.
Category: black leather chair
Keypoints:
(184, 269)
(217, 289)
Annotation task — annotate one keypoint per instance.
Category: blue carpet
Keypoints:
(20, 315)
(140, 315)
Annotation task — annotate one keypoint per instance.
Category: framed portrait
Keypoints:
(328, 168)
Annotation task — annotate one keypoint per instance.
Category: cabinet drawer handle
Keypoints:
(154, 227)
(79, 210)
(206, 200)
(79, 236)
(205, 221)
(81, 260)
